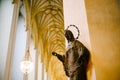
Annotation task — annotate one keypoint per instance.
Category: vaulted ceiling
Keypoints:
(44, 18)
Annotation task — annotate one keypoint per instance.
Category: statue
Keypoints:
(76, 59)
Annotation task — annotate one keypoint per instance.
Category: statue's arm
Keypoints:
(60, 57)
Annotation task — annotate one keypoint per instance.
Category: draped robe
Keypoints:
(75, 61)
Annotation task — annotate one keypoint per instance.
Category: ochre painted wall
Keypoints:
(104, 27)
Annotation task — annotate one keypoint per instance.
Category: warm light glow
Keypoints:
(26, 66)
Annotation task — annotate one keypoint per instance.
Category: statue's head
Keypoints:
(69, 35)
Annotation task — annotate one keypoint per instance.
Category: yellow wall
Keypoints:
(104, 27)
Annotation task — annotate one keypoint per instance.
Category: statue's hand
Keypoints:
(54, 53)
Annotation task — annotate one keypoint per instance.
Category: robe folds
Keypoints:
(75, 61)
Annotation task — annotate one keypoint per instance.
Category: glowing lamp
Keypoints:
(26, 65)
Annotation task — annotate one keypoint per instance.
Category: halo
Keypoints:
(76, 28)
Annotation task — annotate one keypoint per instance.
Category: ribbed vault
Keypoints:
(47, 31)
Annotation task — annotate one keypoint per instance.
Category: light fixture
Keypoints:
(26, 65)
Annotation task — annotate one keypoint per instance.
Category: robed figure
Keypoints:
(76, 58)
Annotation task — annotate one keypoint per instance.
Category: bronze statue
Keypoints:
(76, 59)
